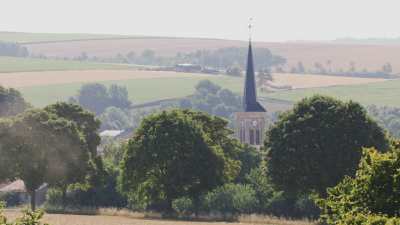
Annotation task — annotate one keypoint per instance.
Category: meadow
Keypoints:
(382, 94)
(17, 64)
(42, 88)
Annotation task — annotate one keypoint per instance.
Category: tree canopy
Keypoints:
(173, 154)
(11, 102)
(318, 142)
(44, 149)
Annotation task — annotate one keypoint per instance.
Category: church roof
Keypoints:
(250, 103)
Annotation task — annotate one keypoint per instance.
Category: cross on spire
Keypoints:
(250, 27)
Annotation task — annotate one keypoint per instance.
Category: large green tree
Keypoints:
(45, 149)
(318, 142)
(88, 126)
(175, 154)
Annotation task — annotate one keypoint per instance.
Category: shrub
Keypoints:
(374, 190)
(231, 199)
(28, 217)
(183, 206)
(368, 219)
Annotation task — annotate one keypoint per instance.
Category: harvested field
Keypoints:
(17, 64)
(29, 79)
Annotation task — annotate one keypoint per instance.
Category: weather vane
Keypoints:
(250, 27)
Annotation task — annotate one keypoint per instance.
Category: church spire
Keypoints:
(250, 103)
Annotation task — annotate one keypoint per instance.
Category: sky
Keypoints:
(274, 20)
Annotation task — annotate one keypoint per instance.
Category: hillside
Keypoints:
(370, 57)
(17, 64)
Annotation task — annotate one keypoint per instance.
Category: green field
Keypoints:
(140, 90)
(383, 94)
(15, 64)
(50, 37)
(144, 90)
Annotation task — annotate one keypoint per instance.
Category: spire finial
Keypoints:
(250, 28)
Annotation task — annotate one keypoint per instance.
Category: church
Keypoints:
(250, 123)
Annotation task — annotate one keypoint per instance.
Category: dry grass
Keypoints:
(29, 79)
(370, 57)
(125, 217)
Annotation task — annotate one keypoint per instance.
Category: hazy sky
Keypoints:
(275, 20)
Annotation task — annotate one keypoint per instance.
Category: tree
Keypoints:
(173, 155)
(11, 102)
(373, 191)
(119, 97)
(6, 170)
(114, 119)
(300, 68)
(318, 142)
(94, 97)
(88, 126)
(264, 76)
(45, 149)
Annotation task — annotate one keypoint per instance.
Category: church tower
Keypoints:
(250, 124)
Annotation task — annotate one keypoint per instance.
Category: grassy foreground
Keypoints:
(15, 64)
(125, 217)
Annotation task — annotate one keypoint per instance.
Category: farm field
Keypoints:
(50, 37)
(365, 56)
(42, 88)
(58, 219)
(16, 64)
(383, 93)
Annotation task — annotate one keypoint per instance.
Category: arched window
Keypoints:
(252, 137)
(258, 137)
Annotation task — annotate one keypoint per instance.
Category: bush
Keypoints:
(28, 217)
(231, 199)
(374, 190)
(183, 206)
(368, 219)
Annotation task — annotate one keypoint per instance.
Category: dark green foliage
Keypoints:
(250, 159)
(316, 144)
(374, 190)
(11, 102)
(231, 199)
(96, 97)
(183, 206)
(175, 154)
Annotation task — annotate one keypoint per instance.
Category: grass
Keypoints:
(140, 90)
(15, 64)
(144, 90)
(21, 37)
(383, 94)
(126, 217)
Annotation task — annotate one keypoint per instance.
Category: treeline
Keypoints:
(223, 58)
(13, 49)
(327, 68)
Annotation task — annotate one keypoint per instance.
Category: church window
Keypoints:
(252, 137)
(258, 137)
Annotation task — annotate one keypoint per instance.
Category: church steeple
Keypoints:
(250, 103)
